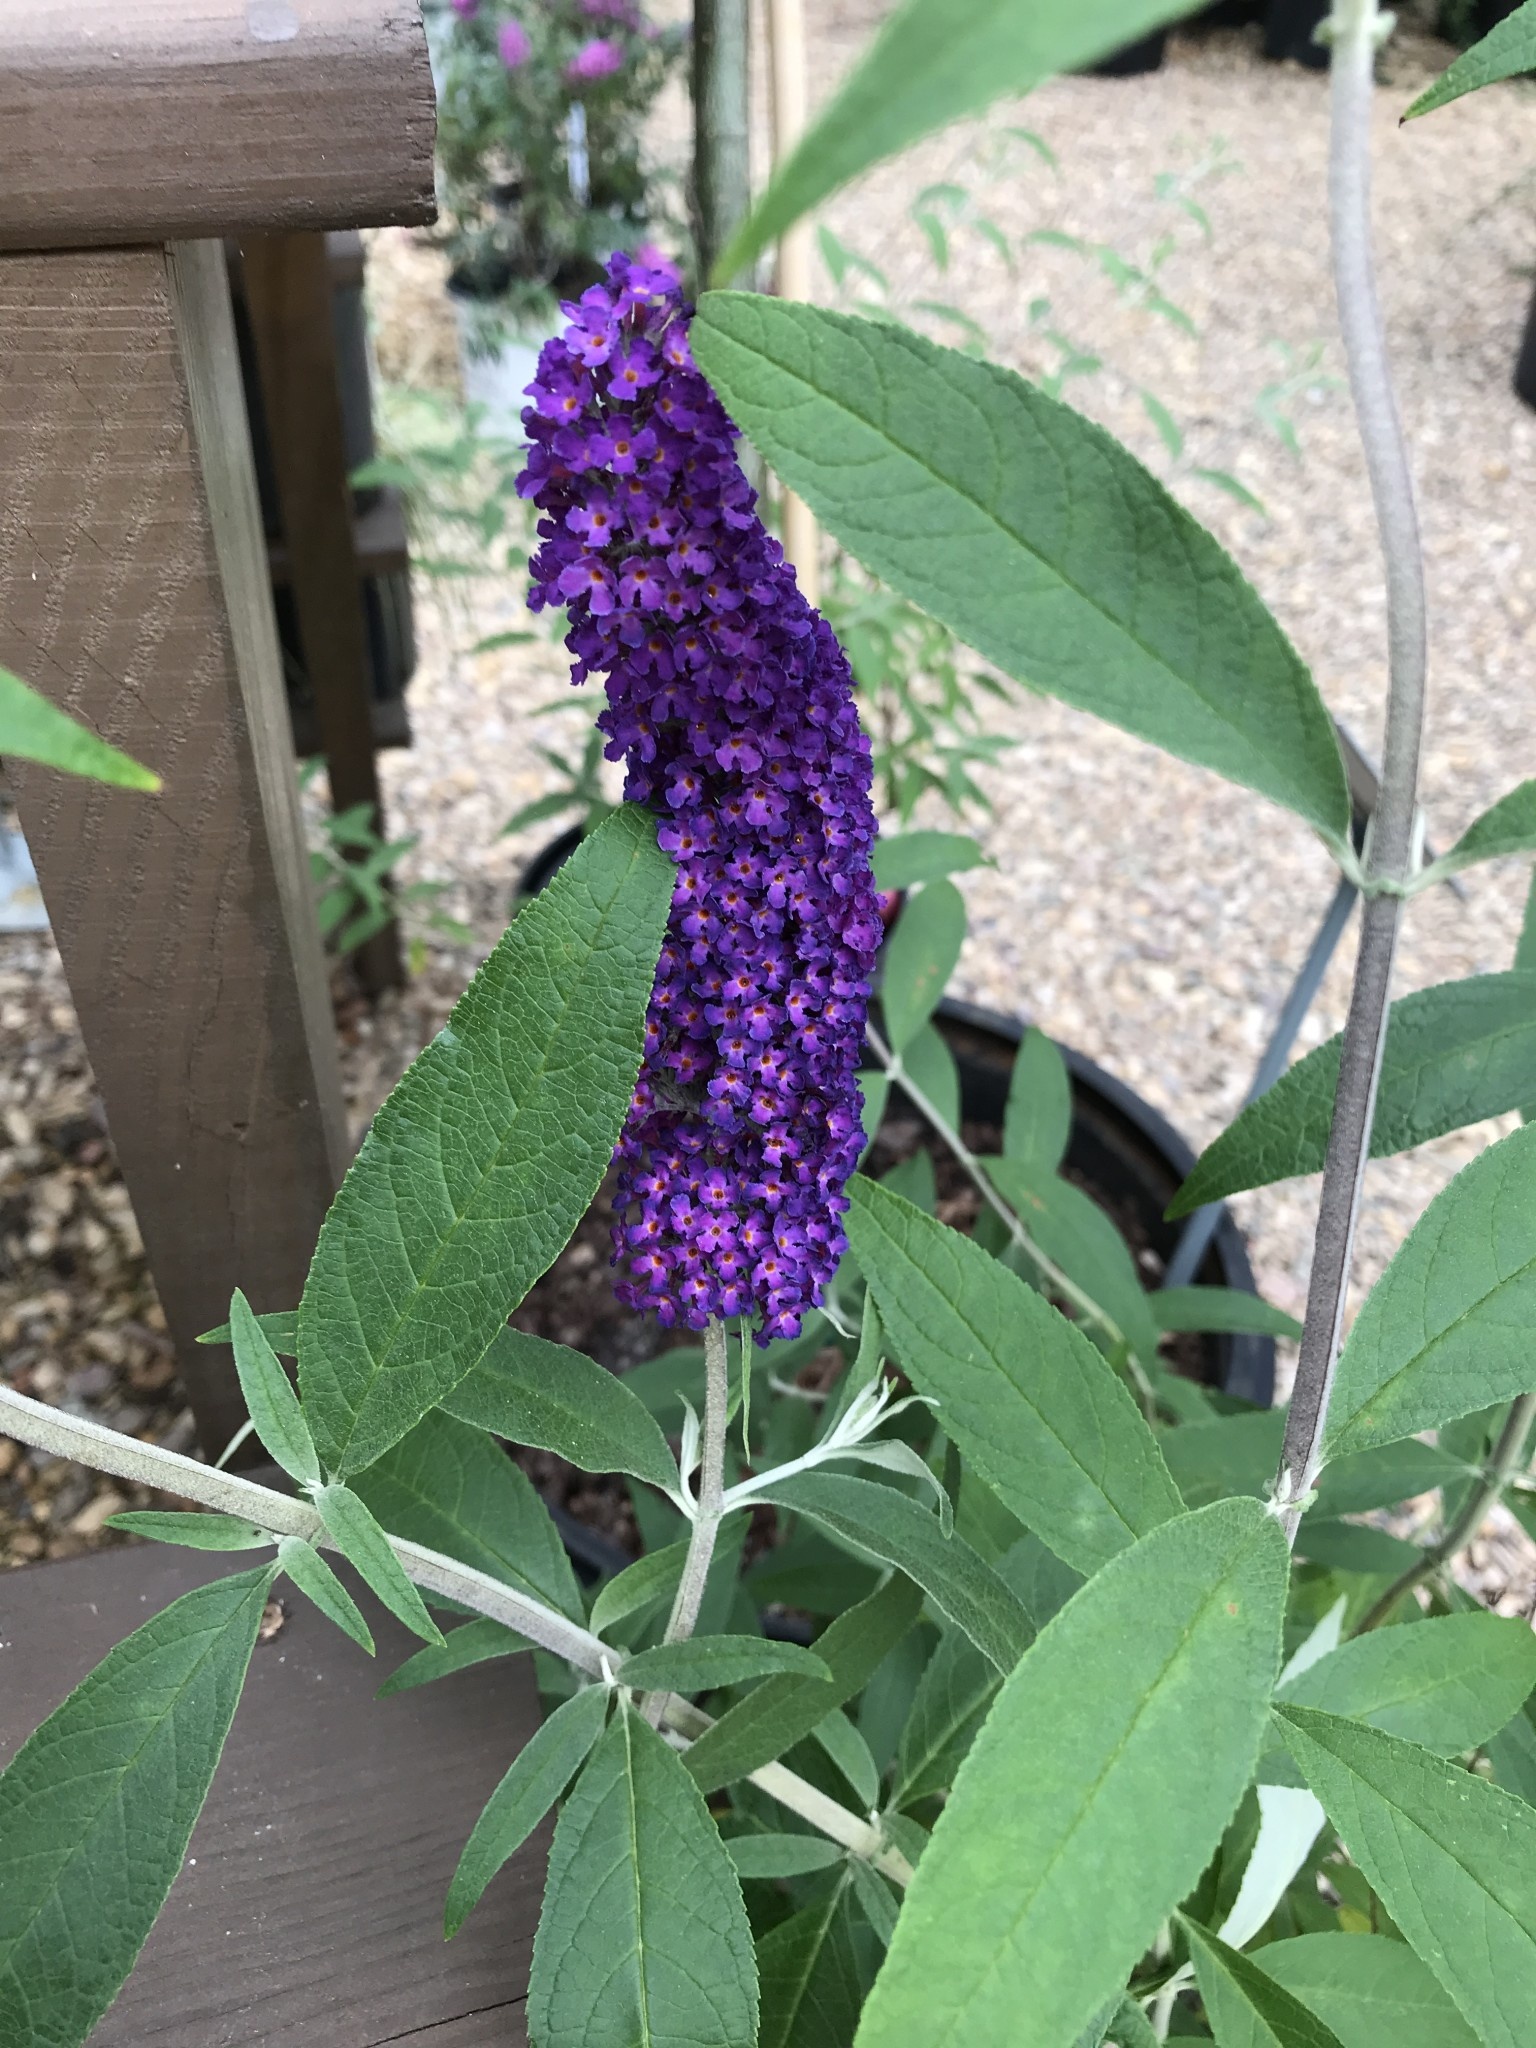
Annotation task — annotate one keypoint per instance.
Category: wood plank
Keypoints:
(309, 1913)
(288, 293)
(133, 593)
(188, 118)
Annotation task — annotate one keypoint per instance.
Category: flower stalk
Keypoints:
(1391, 845)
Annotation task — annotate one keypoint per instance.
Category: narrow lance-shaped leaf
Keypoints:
(1507, 51)
(894, 1528)
(1076, 1235)
(705, 1662)
(97, 1808)
(1509, 826)
(1219, 1308)
(643, 1937)
(905, 860)
(933, 62)
(774, 1856)
(272, 1404)
(1031, 533)
(355, 1533)
(1122, 1743)
(646, 1583)
(814, 1968)
(1246, 2009)
(472, 1642)
(317, 1582)
(533, 1392)
(1454, 1055)
(1038, 1120)
(32, 729)
(535, 1779)
(1449, 1683)
(1447, 1327)
(1452, 1858)
(952, 1700)
(1035, 1408)
(918, 959)
(1373, 1991)
(482, 1161)
(280, 1327)
(196, 1531)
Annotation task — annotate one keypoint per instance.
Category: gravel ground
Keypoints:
(1146, 912)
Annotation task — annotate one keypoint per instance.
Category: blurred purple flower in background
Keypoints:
(466, 10)
(731, 704)
(514, 45)
(598, 59)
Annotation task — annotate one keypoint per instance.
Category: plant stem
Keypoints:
(706, 1521)
(1390, 846)
(722, 180)
(1503, 1463)
(107, 1450)
(1068, 1288)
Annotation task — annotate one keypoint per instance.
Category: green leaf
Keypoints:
(1512, 1754)
(32, 729)
(1355, 1547)
(533, 1392)
(280, 1328)
(1455, 1054)
(1247, 2009)
(1447, 1327)
(479, 1166)
(1507, 51)
(1121, 1744)
(197, 1531)
(1447, 1684)
(705, 1662)
(269, 1397)
(1373, 1992)
(1038, 1120)
(874, 1898)
(850, 1754)
(536, 1778)
(812, 1981)
(646, 1583)
(1167, 426)
(365, 1546)
(1236, 1454)
(1030, 533)
(1452, 1858)
(894, 1528)
(1035, 1408)
(908, 859)
(918, 958)
(472, 1642)
(773, 1856)
(783, 1711)
(454, 1489)
(644, 1937)
(1509, 826)
(956, 1689)
(1075, 1234)
(1363, 1480)
(97, 1808)
(1220, 1308)
(317, 1582)
(930, 1065)
(933, 62)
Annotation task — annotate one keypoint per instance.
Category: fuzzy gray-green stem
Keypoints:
(1503, 1463)
(1390, 850)
(706, 1520)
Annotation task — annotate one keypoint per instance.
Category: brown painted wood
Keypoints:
(309, 1914)
(288, 293)
(126, 121)
(133, 592)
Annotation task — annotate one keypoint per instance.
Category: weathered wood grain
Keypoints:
(309, 1914)
(133, 592)
(288, 293)
(125, 121)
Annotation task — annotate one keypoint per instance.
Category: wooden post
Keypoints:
(786, 39)
(288, 294)
(722, 179)
(134, 588)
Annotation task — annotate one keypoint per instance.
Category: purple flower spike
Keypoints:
(731, 705)
(598, 59)
(514, 44)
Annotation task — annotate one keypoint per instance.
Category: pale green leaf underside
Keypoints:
(1447, 1328)
(1076, 1235)
(1031, 533)
(643, 1940)
(1452, 1858)
(32, 729)
(1373, 1991)
(533, 1392)
(482, 1161)
(1455, 1054)
(1507, 51)
(1447, 1684)
(97, 1808)
(1120, 1745)
(933, 62)
(1035, 1408)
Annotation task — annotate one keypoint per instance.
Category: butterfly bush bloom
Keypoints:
(515, 45)
(731, 704)
(598, 59)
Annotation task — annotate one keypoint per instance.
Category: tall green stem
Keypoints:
(722, 178)
(1503, 1463)
(706, 1520)
(1390, 849)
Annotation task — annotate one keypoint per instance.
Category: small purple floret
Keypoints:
(731, 704)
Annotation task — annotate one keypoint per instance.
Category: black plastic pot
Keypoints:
(1131, 1155)
(1525, 362)
(1290, 31)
